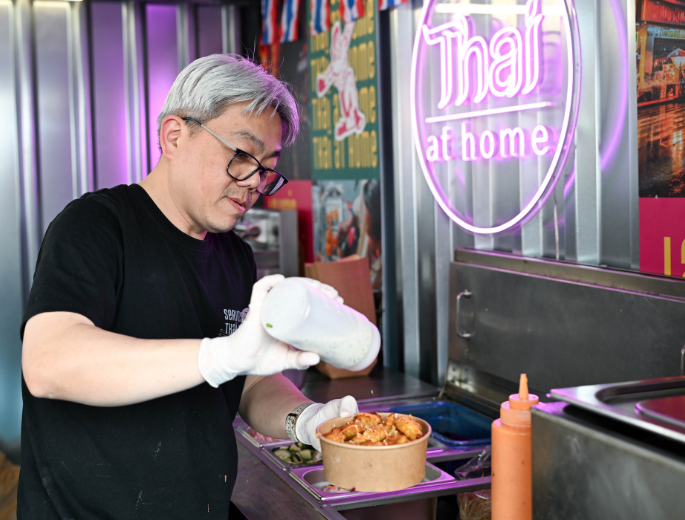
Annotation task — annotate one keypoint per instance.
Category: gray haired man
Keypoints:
(127, 410)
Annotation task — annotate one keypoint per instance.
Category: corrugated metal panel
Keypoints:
(58, 142)
(595, 200)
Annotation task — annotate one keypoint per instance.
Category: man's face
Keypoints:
(207, 196)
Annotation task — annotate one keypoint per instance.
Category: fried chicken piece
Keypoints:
(374, 434)
(409, 427)
(389, 422)
(368, 419)
(335, 435)
(351, 429)
(397, 439)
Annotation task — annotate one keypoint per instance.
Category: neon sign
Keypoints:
(484, 85)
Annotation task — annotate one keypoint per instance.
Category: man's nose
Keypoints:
(251, 183)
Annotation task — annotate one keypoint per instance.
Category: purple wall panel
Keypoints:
(162, 59)
(109, 98)
(209, 39)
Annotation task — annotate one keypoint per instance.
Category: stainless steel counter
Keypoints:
(265, 490)
(381, 384)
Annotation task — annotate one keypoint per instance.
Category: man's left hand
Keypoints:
(313, 415)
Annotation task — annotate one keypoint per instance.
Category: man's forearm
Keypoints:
(66, 357)
(266, 401)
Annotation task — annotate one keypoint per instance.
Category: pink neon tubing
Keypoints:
(437, 191)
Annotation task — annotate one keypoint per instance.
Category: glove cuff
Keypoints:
(209, 363)
(302, 419)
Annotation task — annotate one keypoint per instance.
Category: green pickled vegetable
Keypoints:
(294, 447)
(306, 455)
(282, 454)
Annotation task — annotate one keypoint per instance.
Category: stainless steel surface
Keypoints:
(80, 100)
(617, 168)
(11, 272)
(670, 410)
(54, 111)
(288, 237)
(596, 197)
(477, 389)
(230, 29)
(383, 384)
(588, 183)
(314, 482)
(586, 467)
(682, 361)
(590, 275)
(137, 146)
(53, 147)
(564, 333)
(443, 485)
(618, 402)
(462, 333)
(407, 175)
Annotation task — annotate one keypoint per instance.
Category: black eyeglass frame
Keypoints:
(238, 151)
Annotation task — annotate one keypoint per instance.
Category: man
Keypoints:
(127, 410)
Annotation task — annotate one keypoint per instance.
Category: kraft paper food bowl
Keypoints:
(373, 468)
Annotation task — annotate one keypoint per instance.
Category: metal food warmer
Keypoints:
(595, 455)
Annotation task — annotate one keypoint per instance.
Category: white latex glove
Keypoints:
(312, 416)
(250, 350)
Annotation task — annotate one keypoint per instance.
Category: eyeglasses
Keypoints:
(243, 166)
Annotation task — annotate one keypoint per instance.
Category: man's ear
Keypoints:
(169, 134)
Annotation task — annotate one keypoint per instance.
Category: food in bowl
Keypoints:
(370, 429)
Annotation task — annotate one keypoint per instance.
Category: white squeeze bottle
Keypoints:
(302, 316)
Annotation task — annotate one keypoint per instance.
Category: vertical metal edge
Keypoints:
(141, 81)
(73, 96)
(405, 171)
(28, 161)
(80, 57)
(182, 28)
(230, 30)
(138, 88)
(588, 177)
(136, 135)
(389, 288)
(126, 7)
(634, 201)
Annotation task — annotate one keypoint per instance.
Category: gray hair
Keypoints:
(209, 85)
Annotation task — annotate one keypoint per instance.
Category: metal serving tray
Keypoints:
(436, 483)
(622, 402)
(313, 480)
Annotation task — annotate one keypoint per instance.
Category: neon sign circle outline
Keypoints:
(563, 147)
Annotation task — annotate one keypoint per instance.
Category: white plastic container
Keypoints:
(304, 317)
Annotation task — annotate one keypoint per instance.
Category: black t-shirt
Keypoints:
(113, 257)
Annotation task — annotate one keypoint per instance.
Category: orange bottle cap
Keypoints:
(516, 411)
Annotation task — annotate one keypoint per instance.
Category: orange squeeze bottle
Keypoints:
(512, 486)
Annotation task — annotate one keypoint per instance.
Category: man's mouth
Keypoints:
(238, 204)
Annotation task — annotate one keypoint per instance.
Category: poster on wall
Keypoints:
(660, 67)
(347, 221)
(344, 108)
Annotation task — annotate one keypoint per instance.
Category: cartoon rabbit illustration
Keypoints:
(340, 74)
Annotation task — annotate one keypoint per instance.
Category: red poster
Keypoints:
(662, 236)
(297, 195)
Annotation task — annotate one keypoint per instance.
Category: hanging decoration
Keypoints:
(350, 10)
(269, 22)
(320, 17)
(289, 20)
(387, 4)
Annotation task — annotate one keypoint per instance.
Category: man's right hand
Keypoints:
(250, 350)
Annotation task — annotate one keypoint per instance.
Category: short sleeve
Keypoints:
(79, 267)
